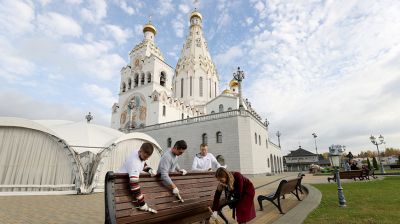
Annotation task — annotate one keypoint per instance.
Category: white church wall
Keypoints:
(225, 101)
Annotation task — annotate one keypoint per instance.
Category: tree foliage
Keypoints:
(375, 163)
(369, 164)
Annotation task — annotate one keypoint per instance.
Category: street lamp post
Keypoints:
(381, 141)
(239, 76)
(316, 149)
(335, 152)
(278, 134)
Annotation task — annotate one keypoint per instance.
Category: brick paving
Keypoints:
(90, 208)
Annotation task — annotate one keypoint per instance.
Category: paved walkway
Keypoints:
(90, 208)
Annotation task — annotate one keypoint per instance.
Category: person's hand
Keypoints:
(152, 172)
(175, 191)
(183, 171)
(209, 169)
(214, 214)
(146, 208)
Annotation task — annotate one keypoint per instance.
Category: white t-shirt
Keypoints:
(132, 165)
(203, 163)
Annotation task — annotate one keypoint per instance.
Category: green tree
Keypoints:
(398, 161)
(375, 163)
(369, 164)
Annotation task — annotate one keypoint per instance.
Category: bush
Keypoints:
(369, 164)
(375, 163)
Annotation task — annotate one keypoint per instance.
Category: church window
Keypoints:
(169, 142)
(259, 139)
(215, 89)
(123, 87)
(268, 162)
(183, 116)
(255, 135)
(201, 86)
(210, 87)
(162, 79)
(148, 77)
(142, 79)
(181, 88)
(266, 143)
(204, 139)
(212, 112)
(229, 108)
(221, 108)
(164, 110)
(136, 80)
(191, 80)
(129, 83)
(219, 137)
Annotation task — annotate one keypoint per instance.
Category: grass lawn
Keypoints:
(367, 202)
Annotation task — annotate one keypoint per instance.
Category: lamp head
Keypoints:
(372, 138)
(381, 139)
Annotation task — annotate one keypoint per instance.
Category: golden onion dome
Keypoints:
(226, 91)
(233, 83)
(196, 13)
(149, 27)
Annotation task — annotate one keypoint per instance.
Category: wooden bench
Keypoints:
(395, 166)
(196, 189)
(285, 187)
(352, 174)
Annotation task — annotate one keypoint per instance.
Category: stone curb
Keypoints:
(299, 213)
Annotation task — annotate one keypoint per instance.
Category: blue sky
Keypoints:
(329, 67)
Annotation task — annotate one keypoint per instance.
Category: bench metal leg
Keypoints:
(222, 214)
(260, 198)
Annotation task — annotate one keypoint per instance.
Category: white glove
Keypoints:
(183, 171)
(152, 172)
(214, 214)
(146, 208)
(175, 191)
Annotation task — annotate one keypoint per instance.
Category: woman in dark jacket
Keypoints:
(239, 195)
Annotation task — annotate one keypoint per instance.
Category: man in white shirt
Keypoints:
(133, 165)
(204, 161)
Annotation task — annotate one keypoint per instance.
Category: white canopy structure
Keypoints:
(62, 157)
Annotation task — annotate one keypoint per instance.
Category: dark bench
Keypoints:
(285, 187)
(196, 189)
(395, 166)
(368, 173)
(352, 174)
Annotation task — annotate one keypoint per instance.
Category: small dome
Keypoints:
(196, 13)
(149, 27)
(233, 83)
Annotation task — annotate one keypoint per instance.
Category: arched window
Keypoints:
(212, 112)
(123, 89)
(229, 108)
(136, 80)
(204, 139)
(255, 137)
(169, 142)
(142, 79)
(183, 116)
(191, 82)
(129, 83)
(266, 143)
(215, 89)
(268, 162)
(219, 137)
(149, 77)
(182, 88)
(210, 87)
(201, 86)
(259, 139)
(164, 110)
(221, 108)
(162, 79)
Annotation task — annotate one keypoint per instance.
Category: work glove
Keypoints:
(183, 171)
(175, 191)
(214, 215)
(152, 172)
(146, 208)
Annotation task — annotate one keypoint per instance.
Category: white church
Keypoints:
(185, 102)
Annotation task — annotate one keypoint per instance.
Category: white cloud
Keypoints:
(74, 2)
(178, 25)
(95, 12)
(56, 24)
(125, 7)
(249, 20)
(165, 7)
(120, 35)
(229, 56)
(45, 2)
(16, 16)
(101, 95)
(184, 8)
(13, 66)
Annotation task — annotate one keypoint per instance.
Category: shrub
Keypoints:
(375, 163)
(369, 164)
